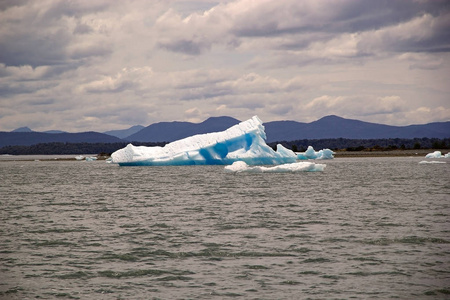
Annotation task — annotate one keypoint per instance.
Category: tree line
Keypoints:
(106, 149)
(366, 144)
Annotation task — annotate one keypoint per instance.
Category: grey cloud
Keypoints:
(9, 88)
(6, 4)
(43, 36)
(82, 29)
(92, 50)
(34, 50)
(294, 17)
(281, 109)
(299, 23)
(73, 8)
(183, 46)
(244, 57)
(426, 33)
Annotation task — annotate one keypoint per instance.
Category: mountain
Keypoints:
(54, 131)
(27, 129)
(121, 134)
(22, 129)
(328, 127)
(172, 131)
(337, 127)
(324, 128)
(32, 138)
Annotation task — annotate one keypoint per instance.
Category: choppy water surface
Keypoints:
(365, 228)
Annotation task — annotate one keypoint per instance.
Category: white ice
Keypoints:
(240, 167)
(431, 162)
(437, 154)
(310, 153)
(242, 142)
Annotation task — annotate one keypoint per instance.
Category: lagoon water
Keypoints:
(365, 228)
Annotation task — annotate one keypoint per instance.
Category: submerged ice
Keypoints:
(241, 167)
(242, 142)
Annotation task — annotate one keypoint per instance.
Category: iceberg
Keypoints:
(437, 154)
(310, 153)
(242, 142)
(240, 167)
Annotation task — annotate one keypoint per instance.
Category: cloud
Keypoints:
(101, 65)
(356, 106)
(422, 61)
(337, 27)
(49, 33)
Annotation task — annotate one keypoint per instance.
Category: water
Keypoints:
(365, 228)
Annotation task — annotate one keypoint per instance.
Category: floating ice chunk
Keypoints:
(242, 142)
(431, 162)
(310, 153)
(240, 166)
(435, 154)
(79, 157)
(91, 158)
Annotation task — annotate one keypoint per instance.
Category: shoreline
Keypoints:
(338, 154)
(391, 153)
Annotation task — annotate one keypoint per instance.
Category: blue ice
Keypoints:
(242, 142)
(310, 153)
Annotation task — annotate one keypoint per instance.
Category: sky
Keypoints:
(106, 65)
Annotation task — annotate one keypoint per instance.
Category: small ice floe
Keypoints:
(79, 157)
(91, 158)
(310, 153)
(240, 166)
(423, 162)
(437, 154)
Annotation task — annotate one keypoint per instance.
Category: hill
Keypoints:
(324, 128)
(22, 129)
(337, 127)
(121, 134)
(329, 127)
(172, 131)
(32, 138)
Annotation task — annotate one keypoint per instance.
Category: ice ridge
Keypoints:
(242, 142)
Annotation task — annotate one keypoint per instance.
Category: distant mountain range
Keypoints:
(123, 134)
(172, 131)
(325, 128)
(33, 138)
(337, 127)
